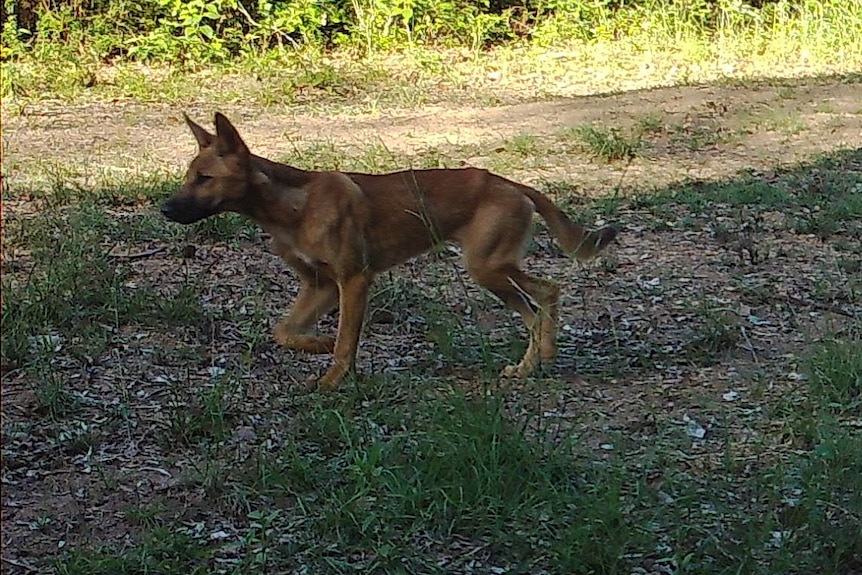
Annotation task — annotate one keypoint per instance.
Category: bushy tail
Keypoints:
(575, 239)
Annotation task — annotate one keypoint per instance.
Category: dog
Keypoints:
(339, 230)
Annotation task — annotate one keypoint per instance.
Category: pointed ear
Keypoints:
(204, 138)
(229, 141)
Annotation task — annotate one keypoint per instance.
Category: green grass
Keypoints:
(388, 487)
(163, 551)
(609, 145)
(836, 376)
(74, 282)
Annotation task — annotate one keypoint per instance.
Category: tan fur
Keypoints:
(339, 230)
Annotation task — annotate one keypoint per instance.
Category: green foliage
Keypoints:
(162, 551)
(216, 30)
(609, 145)
(384, 25)
(456, 468)
(836, 375)
(210, 30)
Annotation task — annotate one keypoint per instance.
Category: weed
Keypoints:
(227, 227)
(719, 332)
(78, 437)
(52, 397)
(609, 145)
(522, 145)
(148, 515)
(650, 123)
(836, 375)
(782, 121)
(202, 414)
(162, 551)
(697, 137)
(41, 523)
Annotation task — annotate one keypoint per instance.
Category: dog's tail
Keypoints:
(575, 239)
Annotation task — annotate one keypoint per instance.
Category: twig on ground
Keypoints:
(137, 255)
(26, 566)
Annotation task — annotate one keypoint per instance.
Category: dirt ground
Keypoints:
(626, 350)
(801, 118)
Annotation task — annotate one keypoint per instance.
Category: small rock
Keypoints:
(244, 433)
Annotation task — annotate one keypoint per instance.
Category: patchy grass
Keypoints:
(821, 198)
(608, 145)
(836, 375)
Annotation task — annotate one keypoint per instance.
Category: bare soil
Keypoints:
(739, 127)
(642, 334)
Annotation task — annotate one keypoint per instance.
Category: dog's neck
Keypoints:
(280, 190)
(281, 175)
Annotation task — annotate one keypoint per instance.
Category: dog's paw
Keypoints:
(330, 380)
(281, 334)
(519, 371)
(302, 342)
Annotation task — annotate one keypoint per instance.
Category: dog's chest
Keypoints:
(286, 246)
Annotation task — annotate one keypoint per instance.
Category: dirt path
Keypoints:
(711, 131)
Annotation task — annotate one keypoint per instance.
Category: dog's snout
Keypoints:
(172, 211)
(186, 210)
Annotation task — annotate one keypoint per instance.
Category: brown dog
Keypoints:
(339, 230)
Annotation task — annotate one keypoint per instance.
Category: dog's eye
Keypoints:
(202, 178)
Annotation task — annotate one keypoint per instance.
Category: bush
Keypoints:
(212, 30)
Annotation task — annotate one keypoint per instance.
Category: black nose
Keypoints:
(167, 209)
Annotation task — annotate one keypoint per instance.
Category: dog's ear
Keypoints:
(229, 141)
(204, 138)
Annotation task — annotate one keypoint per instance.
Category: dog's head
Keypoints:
(218, 179)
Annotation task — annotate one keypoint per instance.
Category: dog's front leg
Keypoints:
(353, 299)
(316, 297)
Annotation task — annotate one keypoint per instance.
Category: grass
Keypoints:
(384, 490)
(823, 205)
(836, 376)
(457, 471)
(73, 290)
(608, 145)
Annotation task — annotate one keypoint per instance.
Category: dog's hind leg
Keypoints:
(536, 300)
(315, 299)
(493, 245)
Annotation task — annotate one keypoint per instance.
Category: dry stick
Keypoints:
(744, 333)
(617, 189)
(138, 255)
(838, 508)
(26, 566)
